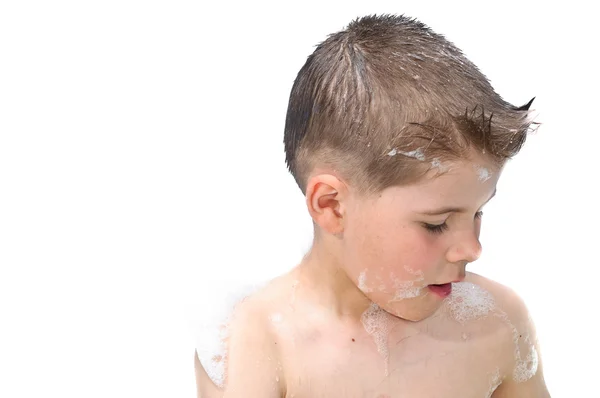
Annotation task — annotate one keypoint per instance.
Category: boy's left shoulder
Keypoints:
(506, 299)
(522, 373)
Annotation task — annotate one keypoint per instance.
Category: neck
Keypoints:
(322, 271)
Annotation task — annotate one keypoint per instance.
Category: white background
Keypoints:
(142, 169)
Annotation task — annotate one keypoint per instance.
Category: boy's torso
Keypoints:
(325, 356)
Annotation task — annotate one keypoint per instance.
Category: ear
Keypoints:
(325, 199)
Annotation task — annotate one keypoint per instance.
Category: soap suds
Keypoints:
(407, 289)
(469, 301)
(362, 282)
(526, 368)
(213, 332)
(495, 382)
(437, 164)
(525, 354)
(378, 324)
(483, 173)
(525, 365)
(416, 154)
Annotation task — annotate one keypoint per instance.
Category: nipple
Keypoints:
(377, 323)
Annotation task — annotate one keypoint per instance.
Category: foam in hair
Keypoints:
(483, 173)
(417, 153)
(437, 164)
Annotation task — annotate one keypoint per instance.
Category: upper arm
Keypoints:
(253, 367)
(524, 372)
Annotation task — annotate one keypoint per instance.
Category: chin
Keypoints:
(412, 317)
(412, 313)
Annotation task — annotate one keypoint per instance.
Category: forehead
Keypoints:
(462, 184)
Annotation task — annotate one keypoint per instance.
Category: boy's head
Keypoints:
(386, 121)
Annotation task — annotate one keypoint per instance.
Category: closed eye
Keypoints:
(439, 228)
(436, 229)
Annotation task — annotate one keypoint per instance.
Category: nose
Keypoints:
(466, 248)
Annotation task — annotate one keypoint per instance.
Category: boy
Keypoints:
(397, 142)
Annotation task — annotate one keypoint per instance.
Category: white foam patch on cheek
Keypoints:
(469, 301)
(406, 289)
(381, 287)
(362, 282)
(377, 323)
(417, 273)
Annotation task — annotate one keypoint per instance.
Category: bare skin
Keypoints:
(317, 352)
(360, 316)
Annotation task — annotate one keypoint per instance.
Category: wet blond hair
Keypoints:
(387, 99)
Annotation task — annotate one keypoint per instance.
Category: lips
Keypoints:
(442, 290)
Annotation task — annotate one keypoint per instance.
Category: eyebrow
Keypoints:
(445, 210)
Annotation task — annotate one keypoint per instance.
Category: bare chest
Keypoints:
(391, 364)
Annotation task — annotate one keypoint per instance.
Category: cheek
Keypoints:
(393, 262)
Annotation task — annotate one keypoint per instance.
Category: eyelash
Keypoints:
(438, 229)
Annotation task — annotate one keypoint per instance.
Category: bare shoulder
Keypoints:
(253, 359)
(506, 299)
(239, 337)
(522, 370)
(509, 306)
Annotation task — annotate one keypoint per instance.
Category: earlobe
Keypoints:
(324, 199)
